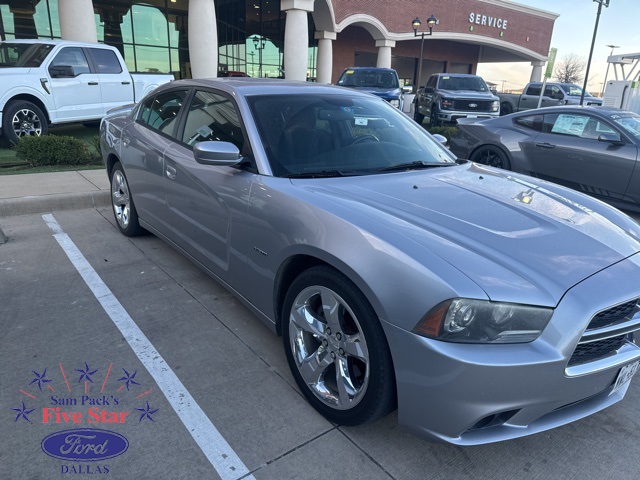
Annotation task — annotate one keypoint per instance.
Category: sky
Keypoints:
(572, 34)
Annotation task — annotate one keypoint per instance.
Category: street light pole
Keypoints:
(595, 31)
(258, 44)
(431, 22)
(606, 73)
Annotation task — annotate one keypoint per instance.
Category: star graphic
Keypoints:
(85, 374)
(40, 379)
(129, 379)
(147, 412)
(23, 412)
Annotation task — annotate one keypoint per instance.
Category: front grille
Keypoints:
(588, 352)
(466, 105)
(614, 315)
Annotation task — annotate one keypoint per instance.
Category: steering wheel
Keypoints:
(365, 138)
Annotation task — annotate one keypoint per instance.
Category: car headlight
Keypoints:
(446, 104)
(495, 106)
(465, 320)
(395, 102)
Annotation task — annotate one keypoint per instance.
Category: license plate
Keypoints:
(625, 375)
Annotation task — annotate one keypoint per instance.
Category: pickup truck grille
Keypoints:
(473, 105)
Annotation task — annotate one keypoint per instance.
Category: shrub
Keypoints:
(53, 150)
(446, 131)
(96, 156)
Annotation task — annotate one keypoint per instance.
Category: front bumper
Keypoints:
(451, 116)
(476, 394)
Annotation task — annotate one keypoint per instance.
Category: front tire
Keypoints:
(505, 108)
(336, 348)
(417, 116)
(491, 156)
(124, 210)
(433, 118)
(22, 119)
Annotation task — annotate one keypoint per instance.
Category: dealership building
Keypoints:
(296, 39)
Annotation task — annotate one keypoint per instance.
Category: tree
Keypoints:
(570, 69)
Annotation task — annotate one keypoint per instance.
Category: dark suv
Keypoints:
(382, 82)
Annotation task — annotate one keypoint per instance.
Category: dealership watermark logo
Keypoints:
(88, 399)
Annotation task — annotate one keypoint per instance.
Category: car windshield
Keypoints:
(629, 122)
(23, 54)
(475, 84)
(338, 135)
(574, 90)
(372, 78)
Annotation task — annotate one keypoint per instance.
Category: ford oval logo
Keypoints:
(84, 445)
(473, 105)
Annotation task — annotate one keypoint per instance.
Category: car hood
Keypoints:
(380, 91)
(514, 237)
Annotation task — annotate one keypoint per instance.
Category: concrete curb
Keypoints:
(51, 203)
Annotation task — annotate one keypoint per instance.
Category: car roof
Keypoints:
(69, 43)
(370, 68)
(247, 86)
(574, 109)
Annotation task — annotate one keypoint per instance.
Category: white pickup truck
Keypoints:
(49, 82)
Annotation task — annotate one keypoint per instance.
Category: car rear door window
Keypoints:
(534, 122)
(105, 60)
(161, 111)
(212, 116)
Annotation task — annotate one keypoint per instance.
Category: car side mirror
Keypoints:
(407, 89)
(439, 138)
(613, 138)
(216, 153)
(62, 71)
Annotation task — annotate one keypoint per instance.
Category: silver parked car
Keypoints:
(486, 305)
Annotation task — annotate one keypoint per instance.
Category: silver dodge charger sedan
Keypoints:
(484, 304)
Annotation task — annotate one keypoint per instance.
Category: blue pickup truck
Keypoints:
(382, 82)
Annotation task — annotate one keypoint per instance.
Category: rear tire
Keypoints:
(505, 108)
(21, 119)
(491, 156)
(124, 210)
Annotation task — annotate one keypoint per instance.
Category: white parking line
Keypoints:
(211, 442)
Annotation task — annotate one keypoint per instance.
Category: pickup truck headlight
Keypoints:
(446, 104)
(464, 320)
(395, 102)
(495, 106)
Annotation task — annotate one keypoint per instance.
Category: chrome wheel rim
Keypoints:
(26, 122)
(120, 199)
(329, 347)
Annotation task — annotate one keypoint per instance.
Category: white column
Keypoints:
(203, 39)
(324, 63)
(536, 71)
(77, 21)
(296, 43)
(384, 53)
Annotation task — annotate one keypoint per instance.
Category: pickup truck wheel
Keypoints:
(22, 119)
(417, 116)
(433, 119)
(492, 157)
(505, 108)
(124, 210)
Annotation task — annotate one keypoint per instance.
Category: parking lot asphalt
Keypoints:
(128, 336)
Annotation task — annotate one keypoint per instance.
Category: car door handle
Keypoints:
(93, 83)
(126, 83)
(171, 172)
(545, 145)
